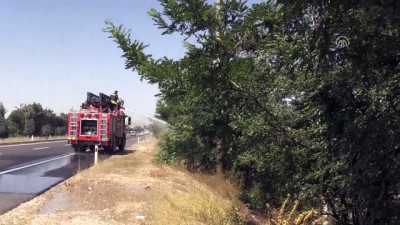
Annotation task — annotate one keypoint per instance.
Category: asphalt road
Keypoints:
(27, 170)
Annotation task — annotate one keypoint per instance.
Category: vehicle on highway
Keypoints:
(97, 124)
(133, 133)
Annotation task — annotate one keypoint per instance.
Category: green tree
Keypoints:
(61, 130)
(3, 110)
(186, 83)
(166, 110)
(267, 94)
(16, 121)
(4, 132)
(138, 128)
(41, 116)
(156, 128)
(347, 146)
(30, 127)
(47, 130)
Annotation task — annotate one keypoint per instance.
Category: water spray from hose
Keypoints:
(150, 117)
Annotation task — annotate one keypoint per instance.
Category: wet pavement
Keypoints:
(59, 201)
(23, 184)
(28, 170)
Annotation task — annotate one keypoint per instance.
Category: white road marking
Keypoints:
(67, 145)
(38, 143)
(35, 164)
(40, 148)
(1, 153)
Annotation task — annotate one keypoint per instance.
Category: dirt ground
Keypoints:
(124, 189)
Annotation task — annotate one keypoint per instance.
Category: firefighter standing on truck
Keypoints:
(114, 100)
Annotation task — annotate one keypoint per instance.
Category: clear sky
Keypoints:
(53, 52)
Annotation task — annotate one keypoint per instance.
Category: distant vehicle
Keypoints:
(133, 133)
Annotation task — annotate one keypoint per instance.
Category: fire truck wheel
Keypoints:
(79, 148)
(76, 148)
(92, 148)
(121, 147)
(108, 150)
(83, 148)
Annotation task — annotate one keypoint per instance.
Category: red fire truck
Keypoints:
(98, 123)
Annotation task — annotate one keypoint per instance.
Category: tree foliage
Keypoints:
(138, 128)
(47, 130)
(156, 128)
(266, 92)
(4, 130)
(30, 127)
(61, 130)
(38, 117)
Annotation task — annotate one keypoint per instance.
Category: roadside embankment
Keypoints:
(132, 189)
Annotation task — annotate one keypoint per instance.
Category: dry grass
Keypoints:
(179, 197)
(27, 139)
(293, 217)
(194, 207)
